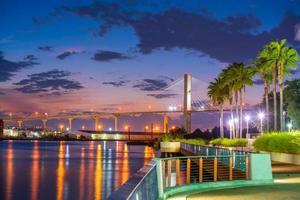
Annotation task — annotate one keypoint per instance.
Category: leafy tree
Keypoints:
(292, 97)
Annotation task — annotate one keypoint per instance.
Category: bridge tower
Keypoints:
(187, 102)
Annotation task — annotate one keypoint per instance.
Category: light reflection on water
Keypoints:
(67, 170)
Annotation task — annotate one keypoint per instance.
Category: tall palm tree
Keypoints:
(282, 57)
(218, 93)
(243, 78)
(268, 56)
(266, 75)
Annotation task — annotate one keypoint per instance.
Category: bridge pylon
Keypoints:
(187, 102)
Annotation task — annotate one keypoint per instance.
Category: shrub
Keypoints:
(279, 142)
(241, 142)
(177, 138)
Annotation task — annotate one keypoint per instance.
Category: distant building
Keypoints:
(1, 128)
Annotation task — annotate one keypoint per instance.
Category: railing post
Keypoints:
(163, 173)
(247, 166)
(177, 171)
(169, 172)
(159, 177)
(215, 168)
(188, 171)
(230, 168)
(201, 170)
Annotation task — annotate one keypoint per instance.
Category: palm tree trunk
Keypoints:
(241, 113)
(266, 84)
(280, 82)
(232, 126)
(237, 113)
(221, 121)
(275, 97)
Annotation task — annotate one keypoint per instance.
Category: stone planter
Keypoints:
(170, 147)
(284, 157)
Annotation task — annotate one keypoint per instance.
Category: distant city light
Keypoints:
(82, 127)
(156, 128)
(172, 108)
(110, 128)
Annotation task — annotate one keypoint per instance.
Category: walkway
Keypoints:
(287, 184)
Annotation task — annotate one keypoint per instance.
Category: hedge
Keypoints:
(225, 142)
(279, 142)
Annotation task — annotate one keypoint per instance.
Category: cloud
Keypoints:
(9, 68)
(244, 22)
(66, 54)
(50, 83)
(2, 93)
(45, 48)
(109, 55)
(31, 58)
(152, 84)
(162, 96)
(234, 39)
(258, 81)
(119, 83)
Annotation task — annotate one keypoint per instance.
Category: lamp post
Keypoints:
(230, 123)
(247, 118)
(261, 116)
(290, 126)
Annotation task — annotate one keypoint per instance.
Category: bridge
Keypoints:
(189, 106)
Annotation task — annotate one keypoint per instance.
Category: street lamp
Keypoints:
(290, 126)
(247, 118)
(156, 128)
(61, 128)
(146, 128)
(261, 116)
(230, 123)
(99, 127)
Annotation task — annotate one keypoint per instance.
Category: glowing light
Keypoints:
(156, 128)
(146, 127)
(247, 117)
(173, 127)
(82, 127)
(99, 127)
(230, 122)
(126, 127)
(261, 115)
(172, 108)
(110, 128)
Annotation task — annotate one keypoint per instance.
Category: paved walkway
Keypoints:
(286, 187)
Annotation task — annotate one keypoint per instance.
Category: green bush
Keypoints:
(177, 138)
(225, 142)
(279, 142)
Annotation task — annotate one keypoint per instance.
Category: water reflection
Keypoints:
(98, 174)
(81, 175)
(60, 172)
(125, 165)
(35, 171)
(9, 171)
(67, 170)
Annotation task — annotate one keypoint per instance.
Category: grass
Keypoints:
(225, 142)
(281, 142)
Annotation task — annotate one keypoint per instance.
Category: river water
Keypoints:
(36, 170)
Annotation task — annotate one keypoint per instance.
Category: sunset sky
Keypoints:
(72, 56)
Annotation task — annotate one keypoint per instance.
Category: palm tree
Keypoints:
(243, 78)
(280, 57)
(218, 93)
(228, 75)
(269, 61)
(265, 74)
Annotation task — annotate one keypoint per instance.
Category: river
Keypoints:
(38, 170)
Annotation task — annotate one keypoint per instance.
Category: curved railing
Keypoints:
(163, 177)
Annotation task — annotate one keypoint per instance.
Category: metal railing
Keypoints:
(197, 169)
(142, 185)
